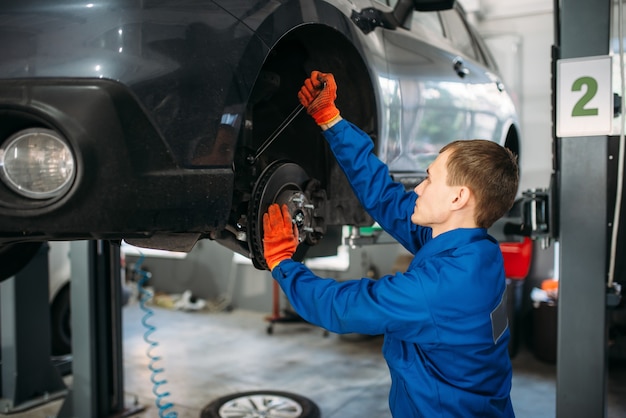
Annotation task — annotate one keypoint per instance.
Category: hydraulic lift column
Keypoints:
(581, 163)
(98, 380)
(28, 377)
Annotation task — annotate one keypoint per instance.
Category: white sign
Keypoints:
(584, 101)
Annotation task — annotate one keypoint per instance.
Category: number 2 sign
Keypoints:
(584, 101)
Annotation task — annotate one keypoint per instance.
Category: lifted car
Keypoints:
(145, 120)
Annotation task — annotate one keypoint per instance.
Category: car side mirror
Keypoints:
(370, 18)
(432, 5)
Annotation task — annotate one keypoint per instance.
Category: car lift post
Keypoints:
(29, 377)
(583, 30)
(98, 380)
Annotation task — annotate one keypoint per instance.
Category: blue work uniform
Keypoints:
(444, 320)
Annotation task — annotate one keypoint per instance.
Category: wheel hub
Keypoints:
(286, 183)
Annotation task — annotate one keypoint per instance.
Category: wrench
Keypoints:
(295, 112)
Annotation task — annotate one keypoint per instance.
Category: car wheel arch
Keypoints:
(274, 96)
(512, 142)
(356, 98)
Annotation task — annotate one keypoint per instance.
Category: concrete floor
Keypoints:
(207, 355)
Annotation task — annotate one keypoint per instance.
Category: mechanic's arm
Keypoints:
(389, 305)
(392, 304)
(385, 200)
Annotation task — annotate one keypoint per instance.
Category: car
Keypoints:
(153, 122)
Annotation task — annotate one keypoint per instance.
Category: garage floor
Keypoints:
(207, 355)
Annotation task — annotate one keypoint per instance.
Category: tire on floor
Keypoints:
(265, 403)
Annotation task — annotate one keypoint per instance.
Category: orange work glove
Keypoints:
(279, 238)
(318, 95)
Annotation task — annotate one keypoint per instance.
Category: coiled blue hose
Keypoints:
(160, 403)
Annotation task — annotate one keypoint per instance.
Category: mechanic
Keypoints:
(444, 320)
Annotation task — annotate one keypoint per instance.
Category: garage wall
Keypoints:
(211, 272)
(202, 270)
(216, 274)
(520, 33)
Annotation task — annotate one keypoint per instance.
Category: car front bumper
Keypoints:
(128, 183)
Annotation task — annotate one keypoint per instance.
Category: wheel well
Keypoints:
(512, 142)
(328, 50)
(322, 48)
(306, 48)
(274, 97)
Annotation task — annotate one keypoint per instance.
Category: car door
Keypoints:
(431, 102)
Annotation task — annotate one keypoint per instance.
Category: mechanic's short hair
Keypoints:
(490, 171)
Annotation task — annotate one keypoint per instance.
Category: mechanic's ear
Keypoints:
(462, 198)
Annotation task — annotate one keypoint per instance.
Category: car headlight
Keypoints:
(37, 163)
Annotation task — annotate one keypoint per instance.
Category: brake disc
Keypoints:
(283, 183)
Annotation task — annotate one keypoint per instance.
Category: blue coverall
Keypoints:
(444, 320)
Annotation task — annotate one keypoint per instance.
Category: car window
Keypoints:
(389, 3)
(458, 34)
(429, 21)
(486, 55)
